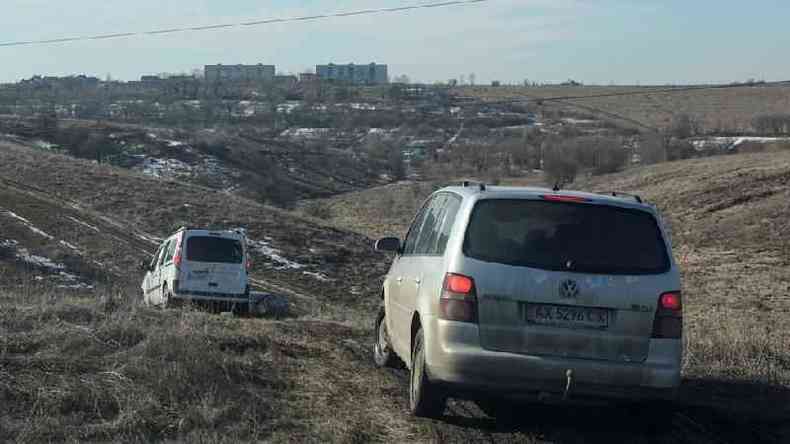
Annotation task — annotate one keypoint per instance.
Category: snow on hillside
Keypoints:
(26, 222)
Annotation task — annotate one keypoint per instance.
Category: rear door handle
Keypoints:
(399, 279)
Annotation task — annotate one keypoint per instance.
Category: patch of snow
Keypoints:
(26, 222)
(175, 143)
(156, 167)
(288, 107)
(44, 145)
(69, 246)
(319, 276)
(84, 224)
(77, 286)
(38, 261)
(152, 136)
(265, 249)
(8, 243)
(579, 121)
(363, 106)
(733, 142)
(305, 133)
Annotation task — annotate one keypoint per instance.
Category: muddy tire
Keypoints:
(383, 354)
(425, 399)
(167, 301)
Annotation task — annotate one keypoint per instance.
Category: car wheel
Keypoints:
(382, 351)
(425, 399)
(166, 303)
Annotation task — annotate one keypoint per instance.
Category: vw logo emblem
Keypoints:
(569, 289)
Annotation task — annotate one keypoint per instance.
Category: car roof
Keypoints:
(482, 191)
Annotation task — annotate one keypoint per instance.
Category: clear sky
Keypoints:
(595, 41)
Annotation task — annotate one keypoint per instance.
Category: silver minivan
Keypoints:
(199, 265)
(532, 293)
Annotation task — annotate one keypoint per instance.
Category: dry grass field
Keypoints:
(729, 216)
(718, 109)
(93, 365)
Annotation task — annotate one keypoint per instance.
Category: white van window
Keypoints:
(163, 255)
(171, 249)
(214, 249)
(155, 259)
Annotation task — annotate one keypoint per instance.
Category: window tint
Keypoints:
(426, 244)
(171, 249)
(414, 231)
(452, 206)
(566, 236)
(214, 249)
(157, 256)
(163, 253)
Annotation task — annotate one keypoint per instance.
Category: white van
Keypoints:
(199, 265)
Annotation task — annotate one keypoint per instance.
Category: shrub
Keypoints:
(684, 126)
(559, 162)
(680, 149)
(652, 149)
(318, 210)
(772, 124)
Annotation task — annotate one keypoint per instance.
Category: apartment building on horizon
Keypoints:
(372, 74)
(239, 73)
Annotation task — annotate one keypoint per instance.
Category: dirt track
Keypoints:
(324, 354)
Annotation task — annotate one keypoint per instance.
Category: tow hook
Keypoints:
(568, 384)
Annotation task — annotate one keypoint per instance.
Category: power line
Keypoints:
(244, 24)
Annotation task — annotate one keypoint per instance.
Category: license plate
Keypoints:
(567, 316)
(199, 275)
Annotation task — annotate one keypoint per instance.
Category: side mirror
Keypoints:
(391, 244)
(144, 266)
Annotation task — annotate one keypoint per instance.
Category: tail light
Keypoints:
(563, 198)
(249, 264)
(668, 323)
(459, 300)
(177, 255)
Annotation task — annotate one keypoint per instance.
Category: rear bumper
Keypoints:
(455, 359)
(212, 297)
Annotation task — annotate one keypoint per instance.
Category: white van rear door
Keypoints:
(213, 263)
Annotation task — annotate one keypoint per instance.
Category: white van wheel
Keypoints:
(165, 297)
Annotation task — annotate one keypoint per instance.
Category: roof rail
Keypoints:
(240, 230)
(467, 183)
(635, 197)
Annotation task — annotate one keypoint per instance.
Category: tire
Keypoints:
(383, 354)
(425, 399)
(166, 299)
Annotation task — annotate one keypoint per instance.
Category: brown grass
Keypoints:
(731, 109)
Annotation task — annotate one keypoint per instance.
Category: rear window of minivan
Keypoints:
(575, 237)
(214, 249)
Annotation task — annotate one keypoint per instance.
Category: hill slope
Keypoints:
(92, 364)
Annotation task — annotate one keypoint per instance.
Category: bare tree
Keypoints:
(685, 125)
(652, 149)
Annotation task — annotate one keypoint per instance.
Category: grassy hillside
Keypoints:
(100, 222)
(729, 217)
(92, 364)
(718, 109)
